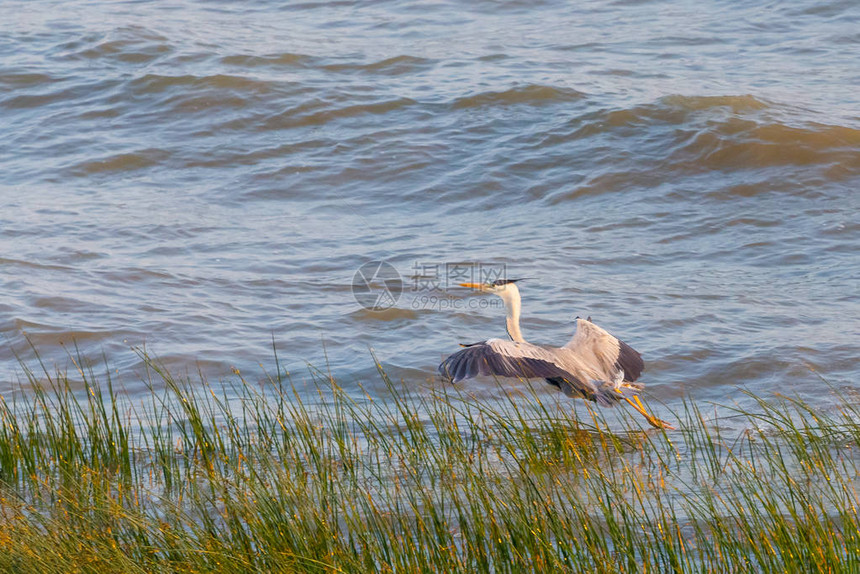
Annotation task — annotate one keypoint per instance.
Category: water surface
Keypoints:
(206, 177)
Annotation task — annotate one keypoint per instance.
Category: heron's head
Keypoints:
(499, 287)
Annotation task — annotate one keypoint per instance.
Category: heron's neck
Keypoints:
(512, 320)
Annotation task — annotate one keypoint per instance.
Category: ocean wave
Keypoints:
(531, 94)
(44, 99)
(127, 45)
(394, 66)
(648, 144)
(738, 143)
(121, 162)
(13, 80)
(671, 110)
(317, 112)
(188, 95)
(286, 59)
(737, 104)
(391, 66)
(216, 84)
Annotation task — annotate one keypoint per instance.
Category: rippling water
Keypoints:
(205, 177)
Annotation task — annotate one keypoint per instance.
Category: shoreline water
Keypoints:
(415, 481)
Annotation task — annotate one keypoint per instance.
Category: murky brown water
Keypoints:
(204, 176)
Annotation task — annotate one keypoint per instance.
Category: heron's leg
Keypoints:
(654, 421)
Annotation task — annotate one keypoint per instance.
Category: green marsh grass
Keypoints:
(254, 477)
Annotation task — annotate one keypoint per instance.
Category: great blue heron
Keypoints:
(593, 365)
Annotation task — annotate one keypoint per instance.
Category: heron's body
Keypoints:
(593, 365)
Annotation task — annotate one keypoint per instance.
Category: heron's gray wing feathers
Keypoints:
(503, 359)
(611, 358)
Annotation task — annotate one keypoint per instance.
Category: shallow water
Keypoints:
(205, 177)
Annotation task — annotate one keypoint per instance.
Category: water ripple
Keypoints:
(527, 95)
(206, 177)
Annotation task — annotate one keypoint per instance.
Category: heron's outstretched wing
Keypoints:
(504, 359)
(562, 368)
(608, 355)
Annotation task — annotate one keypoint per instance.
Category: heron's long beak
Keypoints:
(478, 286)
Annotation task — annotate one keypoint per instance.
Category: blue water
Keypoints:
(203, 178)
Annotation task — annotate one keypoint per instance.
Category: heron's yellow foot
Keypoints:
(652, 420)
